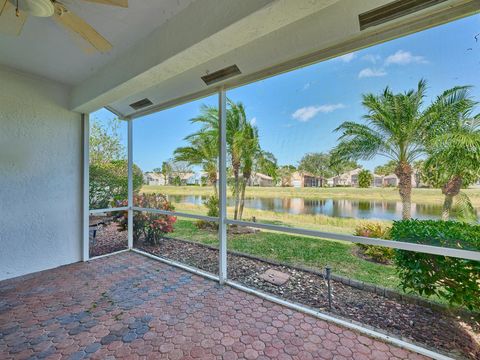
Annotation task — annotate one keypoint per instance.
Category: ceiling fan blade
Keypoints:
(10, 23)
(76, 24)
(121, 3)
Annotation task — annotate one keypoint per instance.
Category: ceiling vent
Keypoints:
(393, 10)
(140, 104)
(220, 75)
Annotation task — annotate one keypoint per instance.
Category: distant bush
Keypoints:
(149, 226)
(379, 254)
(456, 280)
(365, 179)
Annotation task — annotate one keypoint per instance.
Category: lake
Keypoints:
(361, 209)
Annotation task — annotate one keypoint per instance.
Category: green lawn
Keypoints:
(300, 250)
(421, 196)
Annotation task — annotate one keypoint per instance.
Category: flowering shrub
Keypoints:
(380, 254)
(150, 227)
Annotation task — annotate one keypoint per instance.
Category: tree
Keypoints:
(109, 183)
(365, 178)
(267, 164)
(203, 151)
(455, 154)
(165, 170)
(418, 167)
(339, 166)
(386, 169)
(317, 164)
(285, 173)
(397, 126)
(243, 148)
(105, 142)
(108, 180)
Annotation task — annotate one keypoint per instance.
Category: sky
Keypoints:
(297, 112)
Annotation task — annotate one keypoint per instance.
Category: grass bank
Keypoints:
(311, 222)
(420, 196)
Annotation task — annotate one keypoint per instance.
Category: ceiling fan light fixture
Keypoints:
(39, 8)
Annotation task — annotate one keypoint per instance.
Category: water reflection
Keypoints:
(362, 209)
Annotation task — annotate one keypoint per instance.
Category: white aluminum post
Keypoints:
(86, 191)
(130, 184)
(222, 188)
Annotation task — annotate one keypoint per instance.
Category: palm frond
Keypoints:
(464, 208)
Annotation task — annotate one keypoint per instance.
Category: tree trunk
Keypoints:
(236, 191)
(404, 174)
(242, 200)
(213, 180)
(450, 190)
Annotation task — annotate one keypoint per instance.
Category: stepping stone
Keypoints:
(274, 277)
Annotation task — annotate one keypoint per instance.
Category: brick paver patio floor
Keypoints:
(128, 306)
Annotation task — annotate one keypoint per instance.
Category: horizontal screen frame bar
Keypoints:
(400, 245)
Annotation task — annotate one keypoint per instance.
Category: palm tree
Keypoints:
(237, 146)
(243, 148)
(235, 124)
(455, 155)
(202, 151)
(397, 127)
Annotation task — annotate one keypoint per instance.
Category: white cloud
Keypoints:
(405, 57)
(371, 72)
(253, 120)
(306, 86)
(347, 57)
(371, 58)
(308, 112)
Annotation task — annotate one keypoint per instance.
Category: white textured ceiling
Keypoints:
(46, 49)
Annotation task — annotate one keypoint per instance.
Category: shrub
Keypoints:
(212, 205)
(109, 183)
(149, 226)
(456, 280)
(380, 254)
(365, 179)
(213, 210)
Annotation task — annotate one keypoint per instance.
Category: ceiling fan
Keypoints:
(14, 13)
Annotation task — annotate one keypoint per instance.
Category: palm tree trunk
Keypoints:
(404, 174)
(213, 180)
(450, 190)
(236, 191)
(242, 199)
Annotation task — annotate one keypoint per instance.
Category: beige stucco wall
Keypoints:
(40, 175)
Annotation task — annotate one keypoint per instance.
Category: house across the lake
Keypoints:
(185, 178)
(349, 178)
(259, 179)
(153, 178)
(302, 179)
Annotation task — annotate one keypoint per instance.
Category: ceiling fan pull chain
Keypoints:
(17, 12)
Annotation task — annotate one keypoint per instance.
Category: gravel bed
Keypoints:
(459, 337)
